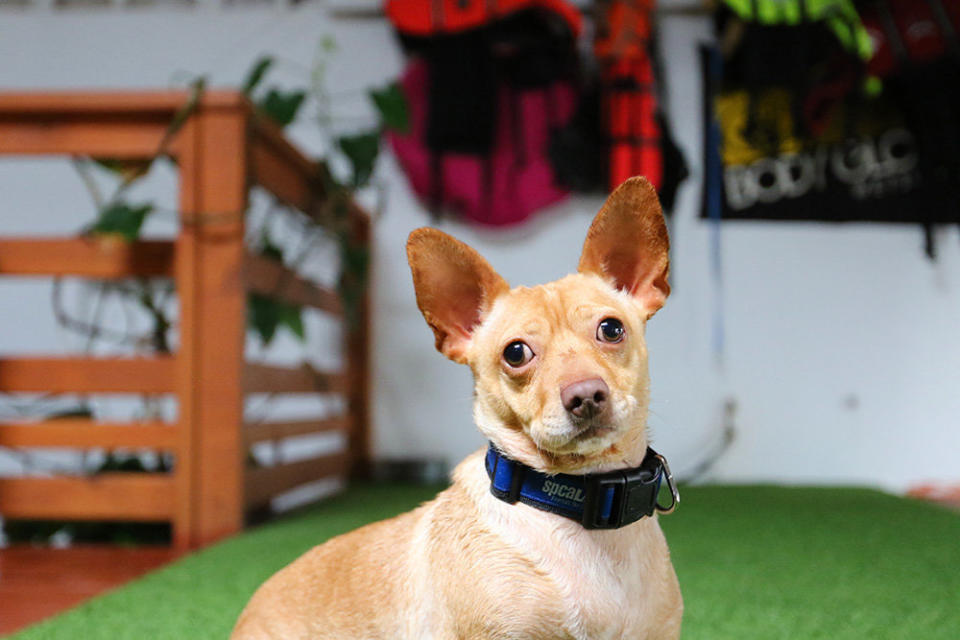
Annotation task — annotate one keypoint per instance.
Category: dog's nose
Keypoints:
(586, 398)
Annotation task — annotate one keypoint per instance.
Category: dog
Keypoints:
(552, 532)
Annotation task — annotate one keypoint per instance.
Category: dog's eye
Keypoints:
(517, 353)
(610, 330)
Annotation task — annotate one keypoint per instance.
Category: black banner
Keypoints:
(870, 166)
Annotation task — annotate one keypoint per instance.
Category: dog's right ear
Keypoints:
(455, 288)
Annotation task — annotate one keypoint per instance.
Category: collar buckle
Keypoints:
(618, 498)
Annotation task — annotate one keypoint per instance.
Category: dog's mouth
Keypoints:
(575, 437)
(584, 441)
(593, 431)
(587, 439)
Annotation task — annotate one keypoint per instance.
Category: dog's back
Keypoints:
(340, 589)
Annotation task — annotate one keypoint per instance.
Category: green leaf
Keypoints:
(328, 43)
(361, 150)
(118, 462)
(356, 259)
(263, 315)
(269, 249)
(197, 87)
(127, 170)
(355, 265)
(392, 105)
(256, 73)
(76, 412)
(121, 219)
(282, 106)
(291, 317)
(111, 165)
(266, 314)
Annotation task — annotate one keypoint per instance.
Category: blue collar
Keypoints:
(596, 500)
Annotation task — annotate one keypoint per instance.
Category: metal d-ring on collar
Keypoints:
(671, 484)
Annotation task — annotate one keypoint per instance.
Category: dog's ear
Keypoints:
(455, 288)
(628, 244)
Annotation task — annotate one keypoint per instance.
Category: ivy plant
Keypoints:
(120, 218)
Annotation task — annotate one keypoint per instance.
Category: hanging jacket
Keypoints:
(487, 84)
(429, 18)
(636, 127)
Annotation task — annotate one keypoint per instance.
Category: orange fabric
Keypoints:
(629, 102)
(625, 31)
(437, 17)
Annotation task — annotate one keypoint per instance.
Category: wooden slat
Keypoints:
(281, 169)
(278, 430)
(266, 482)
(135, 139)
(107, 496)
(43, 104)
(85, 256)
(123, 125)
(90, 434)
(87, 375)
(271, 278)
(262, 378)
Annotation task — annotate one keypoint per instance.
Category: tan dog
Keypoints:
(562, 387)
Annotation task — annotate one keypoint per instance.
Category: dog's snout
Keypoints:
(586, 398)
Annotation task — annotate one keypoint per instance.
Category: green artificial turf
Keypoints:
(753, 562)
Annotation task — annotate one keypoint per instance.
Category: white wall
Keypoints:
(841, 341)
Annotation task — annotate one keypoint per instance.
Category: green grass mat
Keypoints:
(754, 562)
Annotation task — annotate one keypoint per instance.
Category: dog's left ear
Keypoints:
(627, 244)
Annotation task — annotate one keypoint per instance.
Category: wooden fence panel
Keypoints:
(270, 431)
(107, 496)
(89, 434)
(87, 375)
(222, 149)
(272, 279)
(264, 483)
(100, 258)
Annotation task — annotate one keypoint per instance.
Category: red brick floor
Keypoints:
(36, 582)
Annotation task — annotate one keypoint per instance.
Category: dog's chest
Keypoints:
(603, 584)
(606, 581)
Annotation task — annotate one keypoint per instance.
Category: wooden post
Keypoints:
(213, 319)
(358, 360)
(184, 268)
